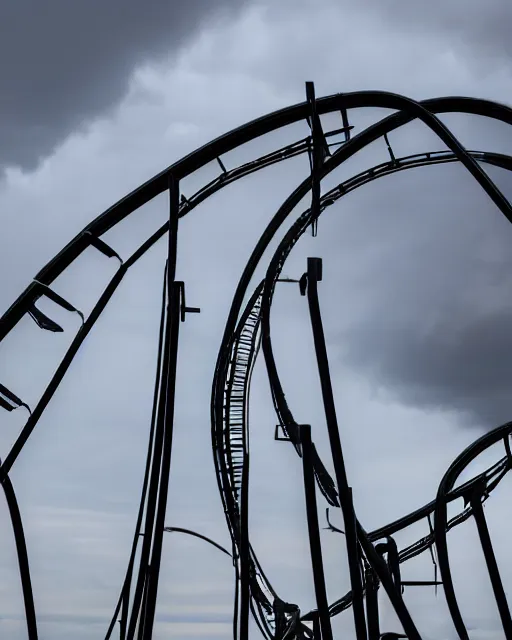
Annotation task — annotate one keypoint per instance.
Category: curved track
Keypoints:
(374, 558)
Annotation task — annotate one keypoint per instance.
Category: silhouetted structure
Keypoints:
(374, 558)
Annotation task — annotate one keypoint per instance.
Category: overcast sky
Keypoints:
(98, 97)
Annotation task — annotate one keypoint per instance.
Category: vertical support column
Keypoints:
(372, 604)
(167, 398)
(22, 553)
(144, 601)
(245, 585)
(313, 275)
(492, 565)
(317, 633)
(123, 604)
(354, 533)
(174, 208)
(124, 611)
(314, 532)
(317, 156)
(440, 530)
(237, 596)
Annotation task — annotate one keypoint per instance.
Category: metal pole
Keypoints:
(167, 398)
(156, 555)
(314, 532)
(353, 530)
(162, 440)
(492, 565)
(317, 633)
(314, 274)
(245, 592)
(372, 604)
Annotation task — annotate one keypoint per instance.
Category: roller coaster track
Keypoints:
(374, 558)
(325, 482)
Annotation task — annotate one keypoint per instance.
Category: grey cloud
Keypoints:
(481, 29)
(63, 63)
(479, 32)
(430, 307)
(463, 365)
(407, 274)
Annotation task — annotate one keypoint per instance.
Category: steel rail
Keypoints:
(362, 178)
(440, 524)
(407, 110)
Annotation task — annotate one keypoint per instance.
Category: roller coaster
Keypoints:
(374, 558)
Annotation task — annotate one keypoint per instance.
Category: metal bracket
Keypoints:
(314, 273)
(102, 246)
(320, 145)
(420, 583)
(277, 437)
(390, 150)
(347, 128)
(43, 321)
(40, 318)
(336, 132)
(330, 526)
(475, 490)
(183, 306)
(318, 155)
(10, 401)
(432, 556)
(221, 165)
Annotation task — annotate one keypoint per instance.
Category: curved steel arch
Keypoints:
(281, 406)
(209, 152)
(371, 563)
(326, 484)
(473, 491)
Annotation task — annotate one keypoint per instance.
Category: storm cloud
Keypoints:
(62, 64)
(415, 295)
(433, 328)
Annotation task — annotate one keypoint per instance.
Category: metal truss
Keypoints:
(374, 558)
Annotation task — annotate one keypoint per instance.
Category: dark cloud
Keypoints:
(62, 63)
(432, 314)
(460, 364)
(426, 261)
